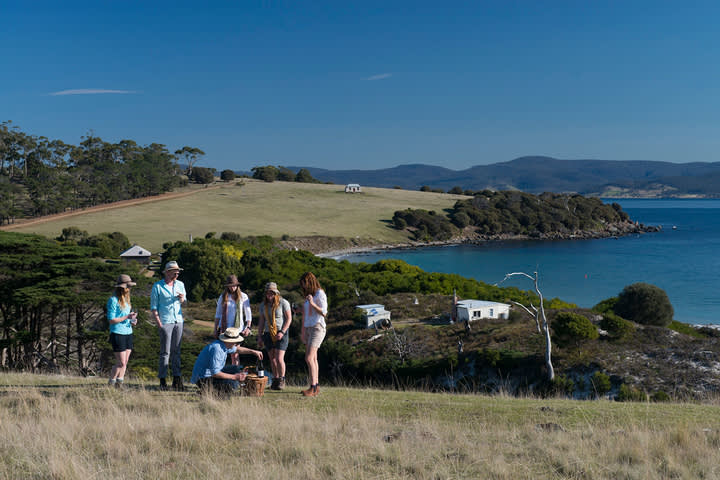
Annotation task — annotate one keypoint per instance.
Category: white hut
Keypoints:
(469, 310)
(374, 314)
(136, 253)
(353, 188)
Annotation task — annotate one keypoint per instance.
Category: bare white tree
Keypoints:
(537, 314)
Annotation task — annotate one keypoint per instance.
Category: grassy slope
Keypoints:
(59, 427)
(258, 208)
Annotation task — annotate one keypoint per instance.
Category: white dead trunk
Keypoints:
(543, 327)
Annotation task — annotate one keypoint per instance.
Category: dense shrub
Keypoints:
(600, 383)
(202, 175)
(618, 328)
(646, 304)
(606, 305)
(660, 396)
(570, 328)
(227, 175)
(427, 225)
(629, 393)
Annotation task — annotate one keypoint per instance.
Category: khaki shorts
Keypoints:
(314, 336)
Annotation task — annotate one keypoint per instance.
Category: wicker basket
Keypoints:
(255, 386)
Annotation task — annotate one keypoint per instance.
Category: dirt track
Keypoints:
(99, 208)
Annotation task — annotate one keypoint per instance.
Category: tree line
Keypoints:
(513, 212)
(41, 176)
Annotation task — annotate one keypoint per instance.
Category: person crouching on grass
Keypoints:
(121, 319)
(273, 328)
(313, 328)
(210, 372)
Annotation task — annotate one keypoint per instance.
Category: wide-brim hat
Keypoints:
(124, 281)
(272, 286)
(231, 335)
(172, 265)
(232, 281)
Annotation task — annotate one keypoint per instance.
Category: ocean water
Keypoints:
(684, 261)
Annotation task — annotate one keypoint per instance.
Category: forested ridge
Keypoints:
(489, 214)
(41, 176)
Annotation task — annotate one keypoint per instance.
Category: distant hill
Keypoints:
(613, 178)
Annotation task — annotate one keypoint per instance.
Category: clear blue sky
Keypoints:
(370, 84)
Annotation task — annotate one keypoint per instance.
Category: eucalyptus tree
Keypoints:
(190, 155)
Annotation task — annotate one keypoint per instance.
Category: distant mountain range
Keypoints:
(611, 178)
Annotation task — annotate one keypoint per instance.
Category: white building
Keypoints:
(136, 253)
(374, 314)
(352, 188)
(470, 310)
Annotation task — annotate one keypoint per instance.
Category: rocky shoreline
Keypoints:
(337, 247)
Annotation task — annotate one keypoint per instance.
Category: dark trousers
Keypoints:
(221, 386)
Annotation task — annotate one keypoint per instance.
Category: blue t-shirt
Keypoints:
(211, 360)
(114, 311)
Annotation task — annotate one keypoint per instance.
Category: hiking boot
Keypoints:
(177, 384)
(275, 385)
(281, 383)
(311, 392)
(163, 384)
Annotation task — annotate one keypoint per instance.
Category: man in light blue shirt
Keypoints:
(210, 372)
(166, 298)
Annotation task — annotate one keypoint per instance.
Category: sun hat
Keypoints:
(171, 265)
(232, 281)
(231, 335)
(124, 281)
(272, 286)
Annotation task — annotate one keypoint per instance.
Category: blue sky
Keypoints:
(369, 84)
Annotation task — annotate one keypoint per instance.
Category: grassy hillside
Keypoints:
(67, 428)
(258, 208)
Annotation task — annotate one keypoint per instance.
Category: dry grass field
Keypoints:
(70, 428)
(257, 208)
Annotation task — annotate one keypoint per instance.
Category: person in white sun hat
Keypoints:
(166, 299)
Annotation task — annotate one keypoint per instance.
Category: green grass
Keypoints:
(67, 427)
(258, 208)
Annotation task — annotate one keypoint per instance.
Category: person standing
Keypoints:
(121, 319)
(166, 299)
(274, 326)
(233, 310)
(313, 328)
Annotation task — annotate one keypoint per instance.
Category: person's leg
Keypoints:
(114, 373)
(177, 333)
(165, 338)
(281, 368)
(312, 363)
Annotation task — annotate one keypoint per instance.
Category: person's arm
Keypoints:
(218, 316)
(249, 351)
(261, 327)
(286, 323)
(113, 309)
(247, 314)
(154, 305)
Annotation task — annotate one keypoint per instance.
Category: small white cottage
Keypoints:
(470, 310)
(136, 253)
(352, 188)
(374, 314)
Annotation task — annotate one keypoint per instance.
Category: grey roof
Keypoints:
(136, 251)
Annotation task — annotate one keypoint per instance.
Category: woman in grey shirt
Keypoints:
(274, 325)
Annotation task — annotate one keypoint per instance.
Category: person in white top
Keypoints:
(233, 310)
(313, 327)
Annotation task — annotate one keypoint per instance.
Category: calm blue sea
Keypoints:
(683, 261)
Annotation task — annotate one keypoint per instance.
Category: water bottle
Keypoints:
(260, 369)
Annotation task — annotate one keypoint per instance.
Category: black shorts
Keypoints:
(281, 345)
(120, 343)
